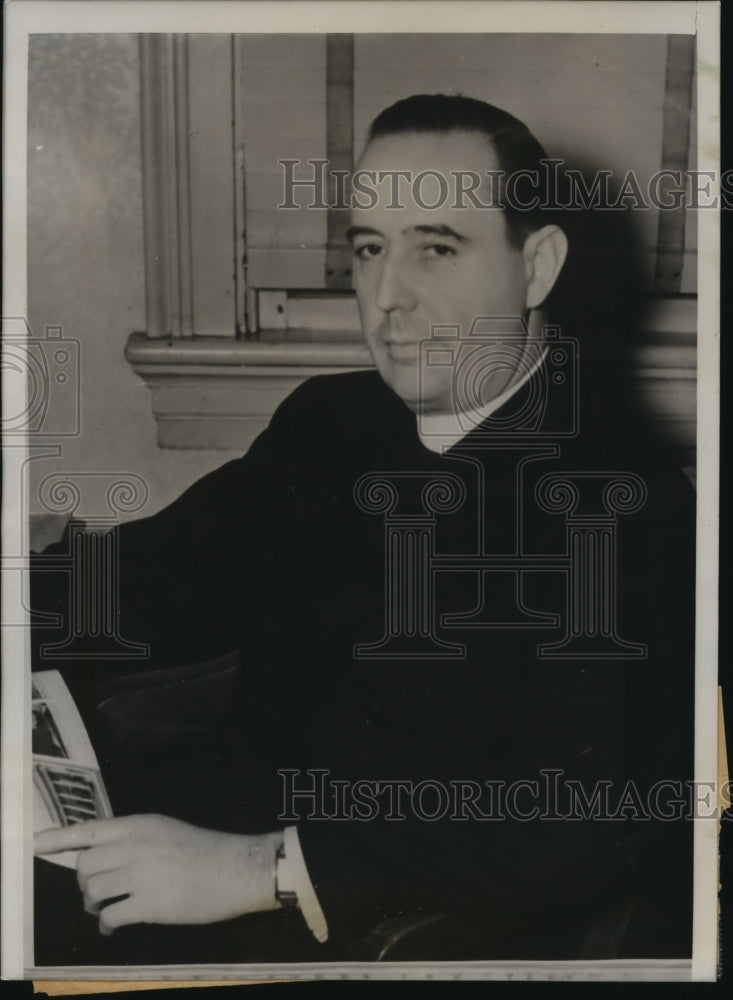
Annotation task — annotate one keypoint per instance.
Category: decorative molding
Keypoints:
(193, 208)
(287, 349)
(166, 185)
(675, 154)
(339, 152)
(217, 393)
(244, 305)
(212, 183)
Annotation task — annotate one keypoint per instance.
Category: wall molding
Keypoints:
(219, 393)
(166, 185)
(192, 200)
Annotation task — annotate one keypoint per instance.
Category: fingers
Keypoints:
(79, 835)
(118, 915)
(108, 885)
(96, 860)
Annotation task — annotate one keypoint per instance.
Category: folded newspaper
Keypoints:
(67, 783)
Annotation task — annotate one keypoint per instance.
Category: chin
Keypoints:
(418, 402)
(404, 380)
(401, 381)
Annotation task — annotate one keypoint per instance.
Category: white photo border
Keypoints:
(27, 17)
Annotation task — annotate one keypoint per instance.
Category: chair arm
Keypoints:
(451, 936)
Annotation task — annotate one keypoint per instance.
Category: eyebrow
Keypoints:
(440, 230)
(353, 231)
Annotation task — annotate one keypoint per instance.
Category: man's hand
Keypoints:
(153, 869)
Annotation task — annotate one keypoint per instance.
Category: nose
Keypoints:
(393, 289)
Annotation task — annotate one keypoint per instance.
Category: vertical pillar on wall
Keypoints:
(244, 305)
(188, 184)
(211, 192)
(166, 184)
(675, 153)
(339, 153)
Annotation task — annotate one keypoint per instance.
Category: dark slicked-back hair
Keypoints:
(516, 148)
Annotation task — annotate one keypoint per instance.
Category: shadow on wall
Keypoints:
(601, 299)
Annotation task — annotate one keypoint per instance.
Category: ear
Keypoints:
(544, 254)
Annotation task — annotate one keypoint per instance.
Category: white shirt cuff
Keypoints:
(292, 876)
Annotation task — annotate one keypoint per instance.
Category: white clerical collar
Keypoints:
(440, 431)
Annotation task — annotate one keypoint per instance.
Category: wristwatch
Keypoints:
(285, 892)
(293, 887)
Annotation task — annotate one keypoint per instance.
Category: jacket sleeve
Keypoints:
(176, 581)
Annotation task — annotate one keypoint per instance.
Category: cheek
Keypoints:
(364, 286)
(453, 283)
(449, 300)
(496, 278)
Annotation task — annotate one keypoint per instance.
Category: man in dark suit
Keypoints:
(461, 588)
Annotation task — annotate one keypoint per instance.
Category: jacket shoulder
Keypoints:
(338, 403)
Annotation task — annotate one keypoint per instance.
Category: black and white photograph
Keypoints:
(360, 423)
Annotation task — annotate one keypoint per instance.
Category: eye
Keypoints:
(439, 250)
(368, 251)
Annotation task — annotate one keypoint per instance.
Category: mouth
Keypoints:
(401, 349)
(392, 337)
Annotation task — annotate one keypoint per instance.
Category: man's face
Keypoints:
(417, 267)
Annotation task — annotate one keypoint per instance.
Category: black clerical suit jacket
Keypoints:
(272, 554)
